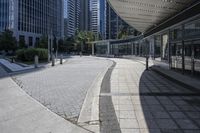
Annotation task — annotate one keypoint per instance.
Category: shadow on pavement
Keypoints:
(166, 106)
(108, 118)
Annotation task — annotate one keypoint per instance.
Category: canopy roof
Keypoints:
(146, 14)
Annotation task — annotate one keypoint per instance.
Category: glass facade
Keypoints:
(179, 46)
(185, 46)
(32, 18)
(4, 14)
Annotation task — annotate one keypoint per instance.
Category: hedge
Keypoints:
(29, 54)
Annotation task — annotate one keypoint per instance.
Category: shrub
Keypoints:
(29, 54)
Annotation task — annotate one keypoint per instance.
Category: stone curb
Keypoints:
(89, 117)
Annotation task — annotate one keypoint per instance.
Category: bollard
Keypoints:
(49, 58)
(61, 59)
(53, 60)
(13, 60)
(147, 63)
(36, 61)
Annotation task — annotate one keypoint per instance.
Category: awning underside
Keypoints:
(146, 14)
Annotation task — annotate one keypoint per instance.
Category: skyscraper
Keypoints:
(98, 17)
(70, 17)
(29, 19)
(78, 16)
(85, 15)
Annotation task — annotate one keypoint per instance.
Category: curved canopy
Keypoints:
(145, 14)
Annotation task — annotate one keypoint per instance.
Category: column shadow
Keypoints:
(166, 106)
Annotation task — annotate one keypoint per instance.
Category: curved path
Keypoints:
(63, 89)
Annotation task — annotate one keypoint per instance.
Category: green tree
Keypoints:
(69, 44)
(123, 33)
(43, 43)
(82, 40)
(21, 43)
(8, 41)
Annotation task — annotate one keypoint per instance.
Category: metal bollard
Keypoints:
(49, 58)
(53, 60)
(36, 61)
(61, 59)
(147, 63)
(13, 60)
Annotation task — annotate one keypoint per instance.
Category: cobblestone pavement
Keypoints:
(133, 100)
(62, 89)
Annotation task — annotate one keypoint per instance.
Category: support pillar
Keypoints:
(135, 49)
(131, 48)
(183, 51)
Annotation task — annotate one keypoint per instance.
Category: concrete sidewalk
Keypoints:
(163, 69)
(19, 113)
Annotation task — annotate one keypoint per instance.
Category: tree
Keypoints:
(123, 33)
(21, 43)
(43, 43)
(8, 41)
(61, 46)
(82, 39)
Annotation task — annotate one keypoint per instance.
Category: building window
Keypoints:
(157, 46)
(192, 29)
(37, 41)
(30, 41)
(176, 33)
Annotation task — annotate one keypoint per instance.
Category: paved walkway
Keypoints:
(63, 88)
(19, 113)
(133, 100)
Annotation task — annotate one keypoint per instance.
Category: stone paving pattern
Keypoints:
(139, 101)
(62, 89)
(20, 113)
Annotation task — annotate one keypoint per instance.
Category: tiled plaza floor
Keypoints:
(62, 89)
(133, 100)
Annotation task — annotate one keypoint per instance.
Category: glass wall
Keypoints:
(157, 46)
(185, 46)
(192, 29)
(176, 55)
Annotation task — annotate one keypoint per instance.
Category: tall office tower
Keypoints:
(85, 15)
(72, 16)
(114, 24)
(65, 18)
(6, 14)
(29, 19)
(98, 18)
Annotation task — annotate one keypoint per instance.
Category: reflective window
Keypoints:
(157, 46)
(192, 29)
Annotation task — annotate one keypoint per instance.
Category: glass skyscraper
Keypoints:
(98, 17)
(77, 16)
(29, 19)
